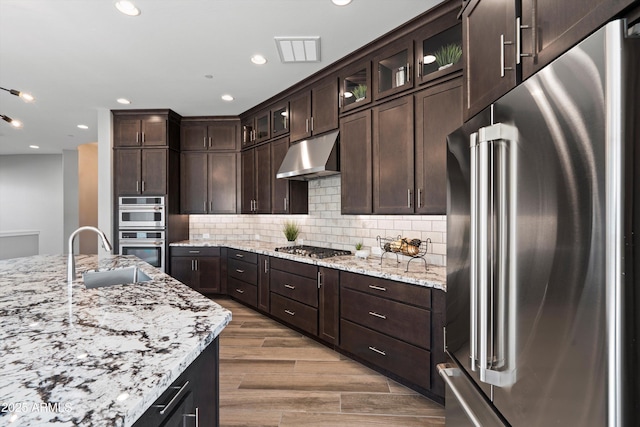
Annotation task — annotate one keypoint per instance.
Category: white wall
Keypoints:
(31, 197)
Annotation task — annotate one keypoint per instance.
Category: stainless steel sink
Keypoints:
(117, 276)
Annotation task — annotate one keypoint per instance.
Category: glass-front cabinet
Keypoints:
(355, 86)
(280, 120)
(393, 69)
(439, 48)
(263, 127)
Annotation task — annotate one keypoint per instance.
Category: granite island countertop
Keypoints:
(106, 357)
(434, 277)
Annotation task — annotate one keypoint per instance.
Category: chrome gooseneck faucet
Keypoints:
(71, 264)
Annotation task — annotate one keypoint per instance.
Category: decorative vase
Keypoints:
(445, 66)
(362, 253)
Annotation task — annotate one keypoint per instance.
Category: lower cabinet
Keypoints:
(192, 399)
(242, 276)
(197, 267)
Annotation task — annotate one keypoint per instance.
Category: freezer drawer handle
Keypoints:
(378, 315)
(375, 350)
(378, 288)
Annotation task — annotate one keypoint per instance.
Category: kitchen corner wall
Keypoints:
(326, 226)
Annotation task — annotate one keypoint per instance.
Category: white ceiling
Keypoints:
(78, 56)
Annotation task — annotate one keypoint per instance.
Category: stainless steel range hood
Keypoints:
(311, 158)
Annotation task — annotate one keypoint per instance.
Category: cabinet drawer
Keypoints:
(299, 268)
(250, 257)
(191, 251)
(294, 313)
(410, 294)
(243, 271)
(243, 291)
(295, 287)
(407, 361)
(401, 321)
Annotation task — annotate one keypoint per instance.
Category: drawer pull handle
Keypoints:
(239, 271)
(173, 399)
(289, 286)
(378, 288)
(240, 291)
(378, 315)
(377, 351)
(239, 256)
(194, 252)
(290, 313)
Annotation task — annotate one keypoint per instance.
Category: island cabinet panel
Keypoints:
(192, 399)
(242, 276)
(197, 267)
(328, 305)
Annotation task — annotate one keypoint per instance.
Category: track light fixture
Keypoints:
(25, 96)
(12, 122)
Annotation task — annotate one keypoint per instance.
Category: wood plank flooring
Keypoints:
(273, 376)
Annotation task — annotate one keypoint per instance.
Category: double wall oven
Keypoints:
(142, 227)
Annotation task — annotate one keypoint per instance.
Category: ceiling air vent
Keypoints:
(298, 49)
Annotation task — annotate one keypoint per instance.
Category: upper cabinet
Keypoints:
(502, 47)
(145, 128)
(392, 68)
(355, 86)
(200, 134)
(314, 111)
(439, 48)
(280, 120)
(256, 129)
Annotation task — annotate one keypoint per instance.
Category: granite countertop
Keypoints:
(434, 277)
(106, 357)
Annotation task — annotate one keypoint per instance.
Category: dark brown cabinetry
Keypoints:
(256, 180)
(328, 305)
(356, 161)
(439, 48)
(197, 267)
(143, 130)
(438, 113)
(141, 171)
(393, 68)
(208, 182)
(355, 86)
(393, 157)
(280, 120)
(242, 276)
(488, 29)
(192, 399)
(315, 111)
(287, 196)
(294, 294)
(256, 129)
(264, 287)
(198, 134)
(388, 324)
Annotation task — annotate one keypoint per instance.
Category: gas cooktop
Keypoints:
(312, 251)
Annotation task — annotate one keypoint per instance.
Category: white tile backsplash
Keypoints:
(325, 225)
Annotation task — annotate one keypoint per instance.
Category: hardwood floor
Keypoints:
(271, 375)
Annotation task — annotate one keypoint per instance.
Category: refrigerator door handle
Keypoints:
(473, 256)
(496, 255)
(476, 409)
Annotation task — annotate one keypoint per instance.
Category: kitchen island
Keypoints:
(101, 357)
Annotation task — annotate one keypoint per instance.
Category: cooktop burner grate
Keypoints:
(312, 251)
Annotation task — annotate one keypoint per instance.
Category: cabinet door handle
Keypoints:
(196, 416)
(290, 313)
(377, 351)
(239, 271)
(419, 202)
(174, 399)
(192, 266)
(143, 137)
(137, 137)
(311, 123)
(197, 266)
(210, 142)
(407, 73)
(378, 315)
(137, 186)
(204, 204)
(266, 265)
(285, 204)
(143, 186)
(503, 43)
(519, 28)
(210, 206)
(289, 286)
(420, 67)
(319, 279)
(378, 288)
(306, 125)
(408, 197)
(204, 141)
(240, 291)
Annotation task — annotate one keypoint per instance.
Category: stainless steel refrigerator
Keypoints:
(542, 226)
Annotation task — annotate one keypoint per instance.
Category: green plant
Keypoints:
(449, 54)
(290, 230)
(358, 246)
(360, 91)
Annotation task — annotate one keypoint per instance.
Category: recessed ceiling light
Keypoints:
(258, 59)
(123, 101)
(227, 97)
(127, 7)
(341, 2)
(83, 127)
(35, 147)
